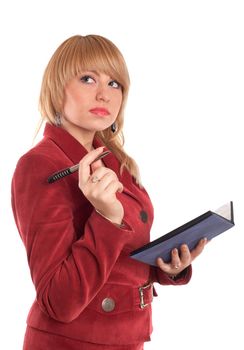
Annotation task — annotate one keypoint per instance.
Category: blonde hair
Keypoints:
(79, 53)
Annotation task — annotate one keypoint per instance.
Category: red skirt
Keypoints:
(39, 340)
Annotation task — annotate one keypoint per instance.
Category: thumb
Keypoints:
(96, 165)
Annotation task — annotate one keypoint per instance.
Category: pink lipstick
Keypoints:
(102, 112)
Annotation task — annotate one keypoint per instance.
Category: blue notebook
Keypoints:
(209, 225)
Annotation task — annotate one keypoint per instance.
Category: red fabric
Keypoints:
(77, 257)
(39, 340)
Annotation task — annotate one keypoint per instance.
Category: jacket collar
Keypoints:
(73, 149)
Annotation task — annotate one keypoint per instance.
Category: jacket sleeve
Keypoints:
(67, 272)
(161, 277)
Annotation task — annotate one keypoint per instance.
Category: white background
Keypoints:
(183, 126)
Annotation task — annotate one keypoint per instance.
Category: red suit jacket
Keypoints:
(86, 283)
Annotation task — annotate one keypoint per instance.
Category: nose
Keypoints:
(102, 94)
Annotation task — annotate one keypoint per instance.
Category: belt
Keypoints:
(146, 295)
(115, 298)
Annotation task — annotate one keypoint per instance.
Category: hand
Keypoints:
(180, 261)
(99, 185)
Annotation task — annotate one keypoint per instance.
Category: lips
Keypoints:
(102, 112)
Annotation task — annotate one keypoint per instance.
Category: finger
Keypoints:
(113, 187)
(163, 265)
(98, 162)
(167, 267)
(84, 165)
(185, 255)
(107, 194)
(199, 248)
(175, 259)
(96, 165)
(107, 179)
(105, 175)
(101, 178)
(120, 188)
(99, 182)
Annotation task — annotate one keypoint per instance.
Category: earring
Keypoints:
(58, 119)
(113, 127)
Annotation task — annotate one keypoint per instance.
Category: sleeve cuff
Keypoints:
(180, 279)
(124, 226)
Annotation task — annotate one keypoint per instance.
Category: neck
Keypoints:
(84, 137)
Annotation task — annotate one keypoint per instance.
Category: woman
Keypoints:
(79, 230)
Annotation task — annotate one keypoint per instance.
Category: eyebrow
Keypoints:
(91, 71)
(95, 72)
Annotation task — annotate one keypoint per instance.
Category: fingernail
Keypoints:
(121, 189)
(160, 259)
(100, 148)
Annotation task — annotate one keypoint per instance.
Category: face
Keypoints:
(92, 101)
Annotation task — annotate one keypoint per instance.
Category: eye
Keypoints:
(114, 84)
(87, 79)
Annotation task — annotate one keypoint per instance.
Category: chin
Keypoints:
(102, 128)
(99, 129)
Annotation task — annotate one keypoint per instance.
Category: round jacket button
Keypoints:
(108, 304)
(144, 216)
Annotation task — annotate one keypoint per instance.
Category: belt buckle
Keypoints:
(141, 293)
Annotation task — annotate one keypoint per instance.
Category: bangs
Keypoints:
(90, 53)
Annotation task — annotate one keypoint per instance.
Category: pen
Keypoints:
(67, 171)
